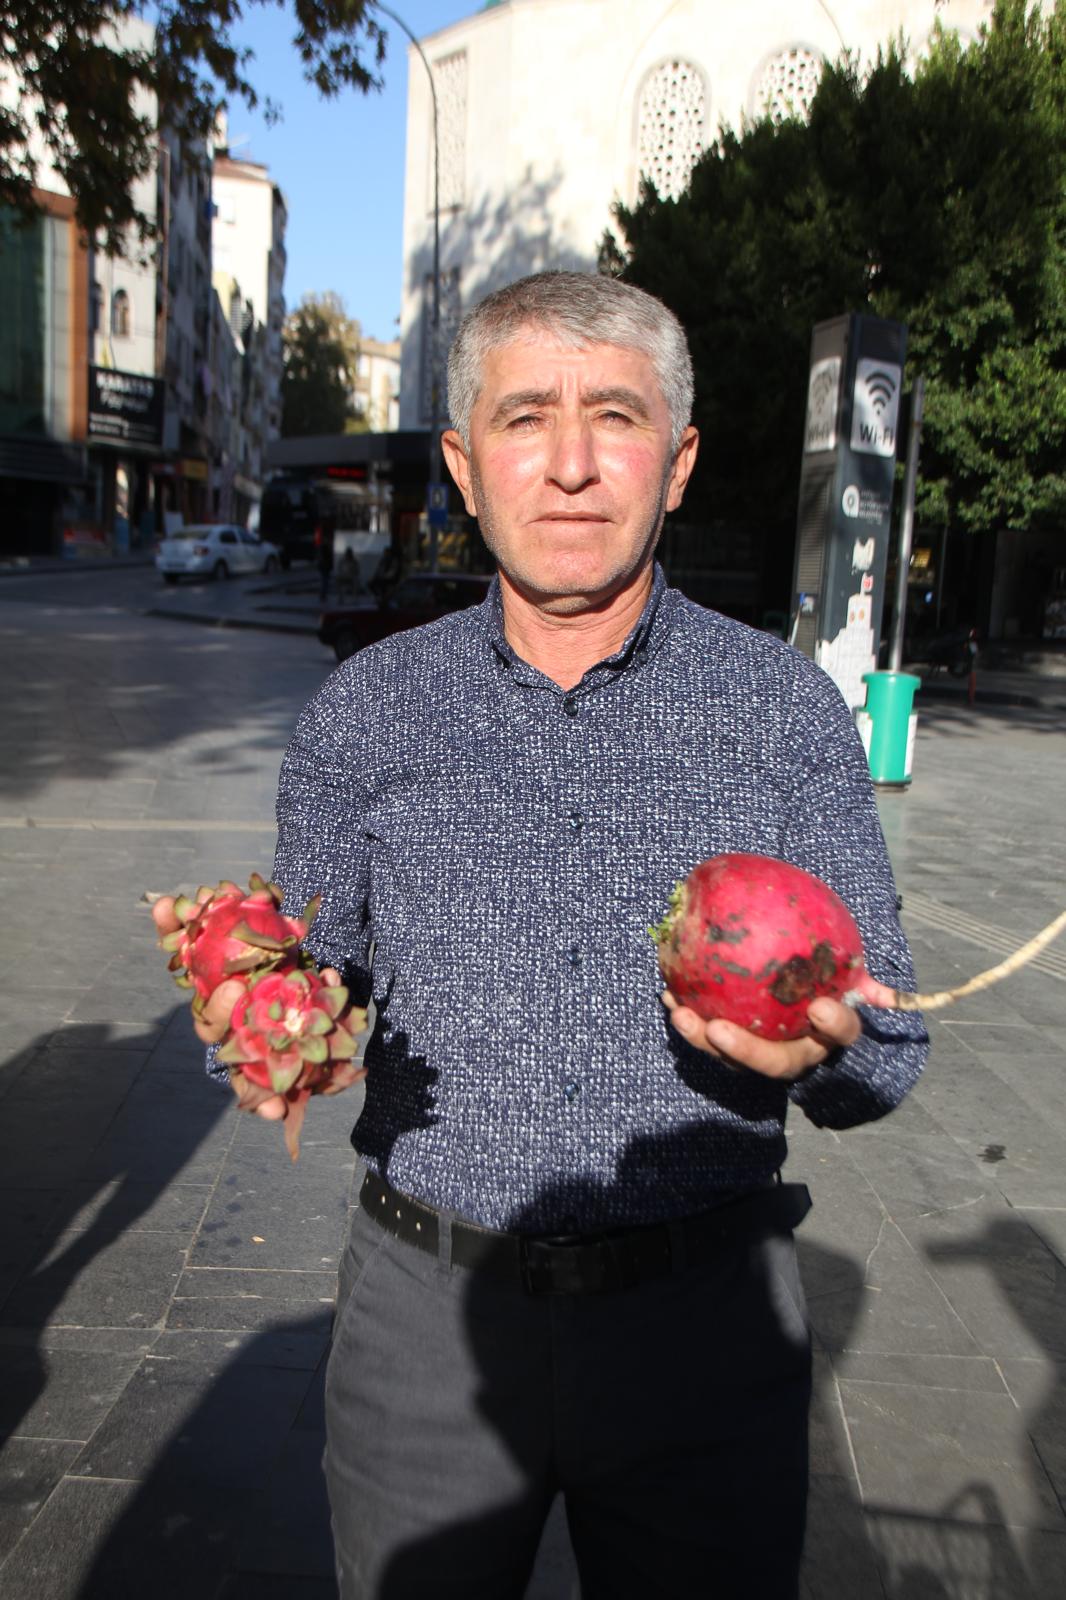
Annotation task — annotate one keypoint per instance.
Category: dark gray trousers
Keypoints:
(672, 1417)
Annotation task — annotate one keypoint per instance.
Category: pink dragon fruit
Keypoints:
(288, 1028)
(229, 932)
(292, 1033)
(284, 1028)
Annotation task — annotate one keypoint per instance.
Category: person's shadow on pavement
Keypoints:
(94, 1136)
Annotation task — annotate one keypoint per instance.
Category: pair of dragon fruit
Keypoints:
(284, 1027)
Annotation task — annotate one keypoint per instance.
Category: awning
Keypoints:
(43, 460)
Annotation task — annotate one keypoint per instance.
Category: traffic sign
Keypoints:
(437, 504)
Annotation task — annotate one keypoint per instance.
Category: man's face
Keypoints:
(569, 469)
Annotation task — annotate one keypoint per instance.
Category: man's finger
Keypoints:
(342, 1076)
(254, 1097)
(774, 1058)
(163, 915)
(836, 1027)
(214, 1020)
(835, 1022)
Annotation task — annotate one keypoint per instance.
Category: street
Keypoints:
(166, 1274)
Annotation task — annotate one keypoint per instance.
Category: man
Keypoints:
(572, 1265)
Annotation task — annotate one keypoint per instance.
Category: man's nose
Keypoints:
(572, 458)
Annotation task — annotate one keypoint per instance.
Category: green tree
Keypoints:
(937, 197)
(80, 88)
(321, 347)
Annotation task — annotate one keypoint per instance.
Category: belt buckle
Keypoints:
(537, 1260)
(569, 1265)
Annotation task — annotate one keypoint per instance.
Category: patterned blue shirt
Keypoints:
(491, 850)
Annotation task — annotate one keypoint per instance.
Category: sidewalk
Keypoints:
(166, 1274)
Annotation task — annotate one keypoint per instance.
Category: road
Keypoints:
(166, 1274)
(288, 601)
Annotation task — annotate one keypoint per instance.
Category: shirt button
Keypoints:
(573, 955)
(576, 820)
(571, 1092)
(570, 707)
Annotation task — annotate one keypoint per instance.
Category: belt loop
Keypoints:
(444, 1240)
(678, 1251)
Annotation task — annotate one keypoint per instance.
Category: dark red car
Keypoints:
(420, 597)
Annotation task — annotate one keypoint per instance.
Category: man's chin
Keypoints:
(575, 594)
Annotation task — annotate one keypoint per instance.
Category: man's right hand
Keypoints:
(211, 1023)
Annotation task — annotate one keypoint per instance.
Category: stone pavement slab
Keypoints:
(167, 1275)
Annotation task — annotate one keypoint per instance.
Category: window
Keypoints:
(120, 314)
(787, 83)
(449, 77)
(671, 125)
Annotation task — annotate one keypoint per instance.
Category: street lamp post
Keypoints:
(434, 337)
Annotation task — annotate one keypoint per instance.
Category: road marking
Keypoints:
(139, 824)
(987, 934)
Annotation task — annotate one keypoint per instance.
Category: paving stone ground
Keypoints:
(166, 1276)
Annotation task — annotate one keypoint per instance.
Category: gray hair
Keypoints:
(578, 308)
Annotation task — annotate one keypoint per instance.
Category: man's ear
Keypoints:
(684, 461)
(458, 464)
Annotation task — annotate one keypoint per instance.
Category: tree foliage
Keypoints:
(321, 349)
(934, 195)
(75, 86)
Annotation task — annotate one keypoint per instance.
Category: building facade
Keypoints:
(550, 110)
(248, 241)
(133, 395)
(376, 392)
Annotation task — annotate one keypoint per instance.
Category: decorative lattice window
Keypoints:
(787, 84)
(671, 125)
(450, 79)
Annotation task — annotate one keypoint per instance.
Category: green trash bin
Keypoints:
(887, 725)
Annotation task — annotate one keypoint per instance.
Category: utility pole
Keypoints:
(435, 464)
(906, 525)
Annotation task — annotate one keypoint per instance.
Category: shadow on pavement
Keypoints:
(80, 713)
(100, 1196)
(231, 1501)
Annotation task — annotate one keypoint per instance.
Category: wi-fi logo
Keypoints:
(881, 387)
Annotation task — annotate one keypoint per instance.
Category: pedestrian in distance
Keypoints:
(324, 535)
(348, 584)
(571, 1269)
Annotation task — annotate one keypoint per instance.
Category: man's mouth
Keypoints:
(572, 516)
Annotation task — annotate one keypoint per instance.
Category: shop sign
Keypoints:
(125, 408)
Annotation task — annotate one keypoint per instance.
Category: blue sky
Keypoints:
(339, 163)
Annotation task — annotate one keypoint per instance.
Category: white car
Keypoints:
(213, 550)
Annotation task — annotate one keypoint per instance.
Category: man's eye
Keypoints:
(528, 419)
(615, 417)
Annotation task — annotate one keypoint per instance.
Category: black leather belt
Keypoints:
(588, 1263)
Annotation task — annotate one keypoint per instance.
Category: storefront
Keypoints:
(125, 433)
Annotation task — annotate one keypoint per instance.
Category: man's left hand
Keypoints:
(835, 1027)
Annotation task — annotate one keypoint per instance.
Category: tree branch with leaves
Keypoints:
(79, 89)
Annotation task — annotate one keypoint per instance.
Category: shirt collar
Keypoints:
(649, 633)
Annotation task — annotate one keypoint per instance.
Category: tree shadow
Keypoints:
(83, 709)
(234, 1504)
(488, 244)
(1031, 1276)
(687, 1361)
(947, 713)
